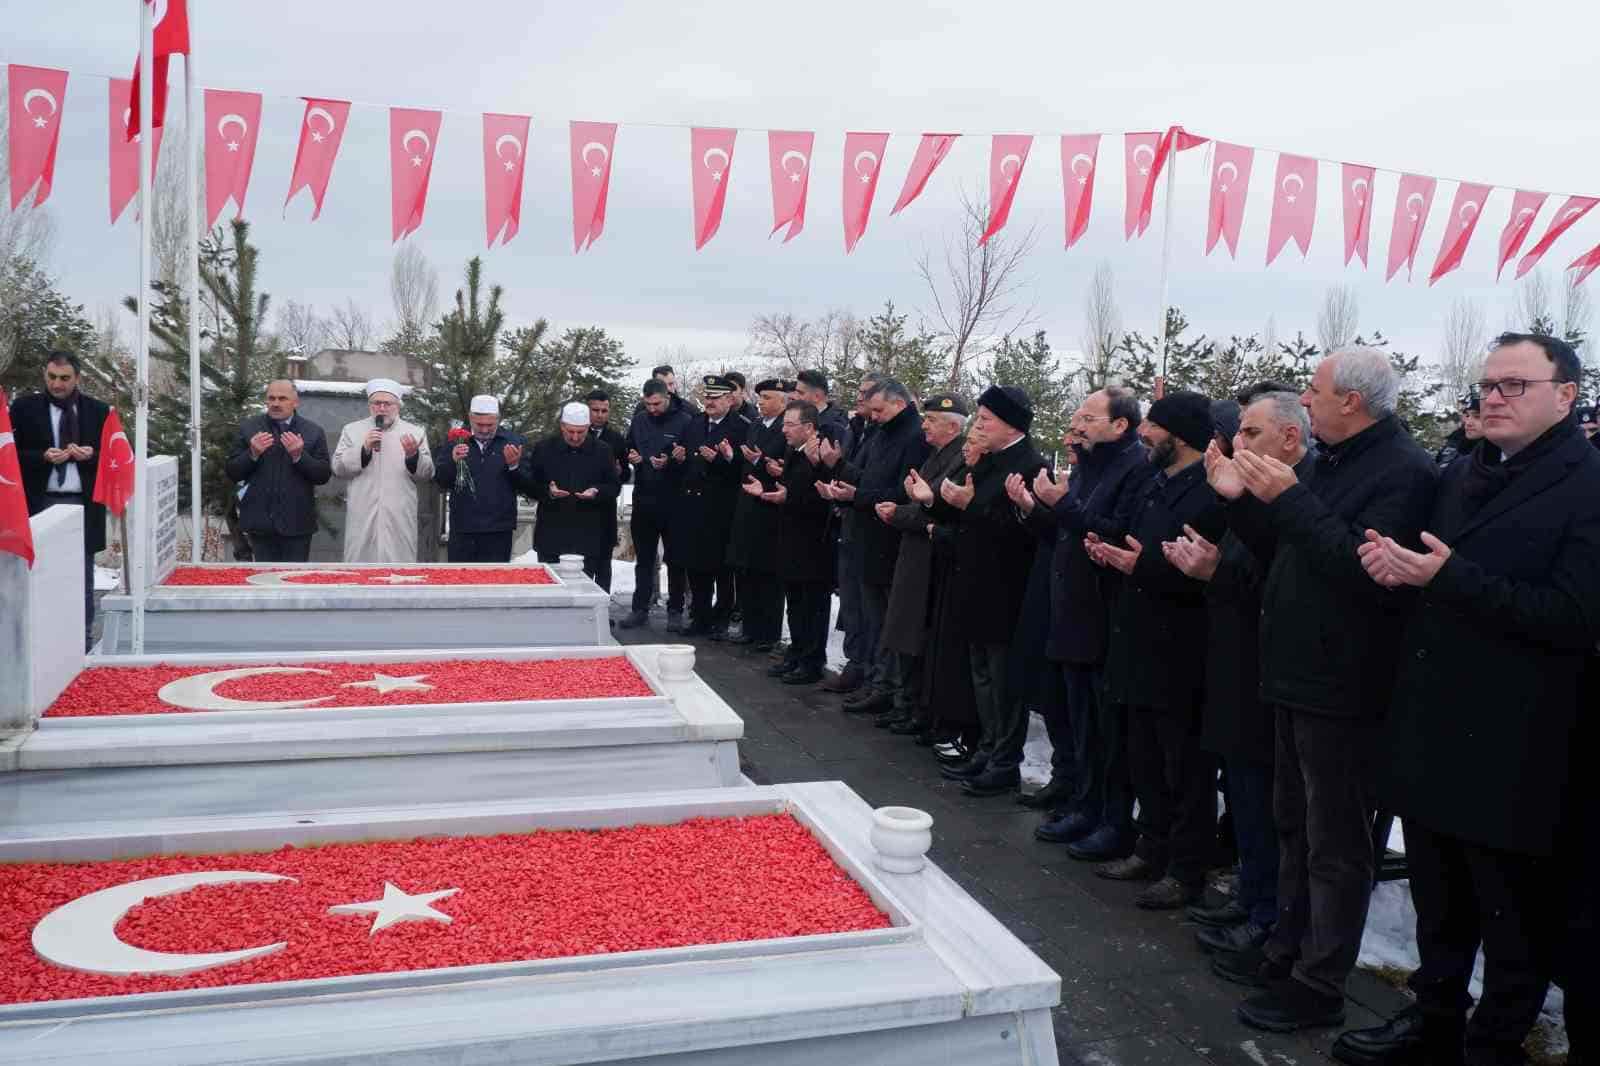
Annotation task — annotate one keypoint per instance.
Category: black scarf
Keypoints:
(68, 433)
(1488, 474)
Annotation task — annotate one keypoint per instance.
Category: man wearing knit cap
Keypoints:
(709, 457)
(483, 477)
(993, 555)
(575, 481)
(385, 459)
(1155, 664)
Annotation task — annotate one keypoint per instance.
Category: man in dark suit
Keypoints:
(281, 458)
(57, 437)
(599, 402)
(709, 457)
(804, 550)
(753, 542)
(483, 517)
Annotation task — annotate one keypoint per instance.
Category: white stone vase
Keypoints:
(901, 836)
(569, 564)
(675, 662)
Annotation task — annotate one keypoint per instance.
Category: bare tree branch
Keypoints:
(1340, 318)
(300, 328)
(414, 287)
(783, 336)
(1461, 348)
(1102, 328)
(350, 328)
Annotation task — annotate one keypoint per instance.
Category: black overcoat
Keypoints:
(879, 474)
(753, 541)
(649, 435)
(281, 499)
(906, 623)
(30, 424)
(804, 548)
(568, 525)
(704, 514)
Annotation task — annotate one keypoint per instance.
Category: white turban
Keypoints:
(484, 405)
(575, 414)
(377, 385)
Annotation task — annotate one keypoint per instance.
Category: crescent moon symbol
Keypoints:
(1414, 206)
(783, 161)
(856, 163)
(605, 153)
(1011, 158)
(82, 935)
(1526, 212)
(281, 577)
(705, 160)
(230, 120)
(1358, 188)
(1231, 168)
(1468, 212)
(1299, 183)
(1149, 152)
(1571, 212)
(197, 692)
(322, 113)
(405, 142)
(158, 12)
(501, 143)
(1088, 165)
(42, 94)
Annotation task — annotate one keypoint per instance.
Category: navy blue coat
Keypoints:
(492, 505)
(879, 474)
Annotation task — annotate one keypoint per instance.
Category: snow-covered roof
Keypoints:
(340, 388)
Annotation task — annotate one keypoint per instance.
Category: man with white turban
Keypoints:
(384, 458)
(484, 475)
(576, 483)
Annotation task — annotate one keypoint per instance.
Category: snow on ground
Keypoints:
(107, 579)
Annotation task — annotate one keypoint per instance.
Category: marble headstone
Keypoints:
(41, 625)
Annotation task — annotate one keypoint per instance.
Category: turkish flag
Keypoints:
(124, 154)
(232, 122)
(1411, 204)
(114, 474)
(1585, 264)
(1356, 181)
(1230, 182)
(35, 95)
(1080, 154)
(413, 136)
(321, 133)
(789, 159)
(710, 159)
(591, 179)
(1175, 137)
(1464, 215)
(1139, 159)
(171, 35)
(1575, 208)
(863, 162)
(1294, 204)
(1007, 154)
(505, 154)
(1524, 209)
(931, 151)
(16, 534)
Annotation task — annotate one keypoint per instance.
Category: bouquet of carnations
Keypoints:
(464, 482)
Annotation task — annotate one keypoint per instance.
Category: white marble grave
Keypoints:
(41, 620)
(945, 983)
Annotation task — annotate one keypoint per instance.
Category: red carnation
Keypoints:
(458, 435)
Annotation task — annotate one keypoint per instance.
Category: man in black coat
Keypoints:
(753, 542)
(599, 401)
(658, 425)
(993, 554)
(860, 641)
(1329, 642)
(483, 476)
(281, 459)
(1465, 436)
(805, 551)
(833, 421)
(574, 478)
(709, 456)
(1486, 706)
(58, 439)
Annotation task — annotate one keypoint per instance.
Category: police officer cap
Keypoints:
(773, 385)
(947, 403)
(716, 385)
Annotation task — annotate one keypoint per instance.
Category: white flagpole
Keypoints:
(192, 120)
(1166, 250)
(140, 550)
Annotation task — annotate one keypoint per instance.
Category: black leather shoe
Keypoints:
(779, 669)
(802, 676)
(847, 680)
(1065, 828)
(1046, 797)
(966, 770)
(1397, 1042)
(869, 703)
(1132, 868)
(675, 622)
(1291, 1005)
(742, 638)
(952, 752)
(890, 718)
(1232, 937)
(923, 739)
(762, 646)
(993, 783)
(1102, 845)
(1226, 916)
(908, 726)
(718, 633)
(1251, 968)
(1167, 894)
(635, 620)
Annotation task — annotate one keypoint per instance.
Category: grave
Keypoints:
(41, 623)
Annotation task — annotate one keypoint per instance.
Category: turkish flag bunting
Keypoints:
(16, 534)
(321, 133)
(232, 122)
(505, 153)
(1464, 215)
(1007, 155)
(1294, 204)
(413, 136)
(1230, 182)
(1356, 181)
(36, 94)
(863, 162)
(1585, 265)
(1524, 209)
(114, 474)
(711, 157)
(1411, 204)
(1175, 137)
(789, 158)
(1080, 154)
(931, 151)
(171, 38)
(591, 179)
(124, 154)
(1575, 208)
(1139, 157)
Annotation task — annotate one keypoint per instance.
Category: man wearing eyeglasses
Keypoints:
(385, 458)
(1485, 707)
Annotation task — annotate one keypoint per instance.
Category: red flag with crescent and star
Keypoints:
(35, 96)
(1176, 138)
(114, 472)
(171, 36)
(1008, 154)
(931, 151)
(16, 533)
(863, 162)
(1139, 158)
(1412, 201)
(1080, 155)
(1458, 230)
(505, 154)
(232, 123)
(789, 159)
(1575, 208)
(592, 143)
(1585, 264)
(124, 154)
(1356, 181)
(413, 137)
(1294, 205)
(321, 133)
(1525, 207)
(710, 159)
(1230, 182)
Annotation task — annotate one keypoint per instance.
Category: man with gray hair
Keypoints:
(280, 458)
(1328, 656)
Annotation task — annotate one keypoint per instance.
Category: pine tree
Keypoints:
(35, 318)
(884, 346)
(557, 370)
(1140, 361)
(1031, 366)
(463, 357)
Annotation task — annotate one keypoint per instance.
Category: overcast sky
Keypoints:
(1485, 92)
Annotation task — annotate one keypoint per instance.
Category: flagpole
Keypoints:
(1166, 250)
(141, 389)
(197, 537)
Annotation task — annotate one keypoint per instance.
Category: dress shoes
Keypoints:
(908, 726)
(951, 752)
(717, 633)
(1250, 967)
(1168, 894)
(1397, 1042)
(1046, 797)
(741, 639)
(847, 680)
(1229, 914)
(1131, 868)
(801, 676)
(635, 620)
(1065, 828)
(1232, 938)
(762, 646)
(1288, 1006)
(869, 702)
(779, 649)
(890, 718)
(675, 622)
(779, 669)
(993, 783)
(1101, 845)
(963, 771)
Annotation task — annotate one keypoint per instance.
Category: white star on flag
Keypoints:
(716, 175)
(416, 160)
(794, 178)
(511, 164)
(40, 121)
(315, 136)
(385, 684)
(595, 171)
(398, 906)
(233, 146)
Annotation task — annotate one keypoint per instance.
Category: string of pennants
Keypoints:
(232, 124)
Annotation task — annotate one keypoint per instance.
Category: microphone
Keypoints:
(377, 420)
